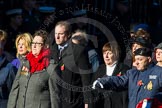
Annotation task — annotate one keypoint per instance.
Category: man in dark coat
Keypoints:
(74, 66)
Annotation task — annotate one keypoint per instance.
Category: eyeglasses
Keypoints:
(37, 43)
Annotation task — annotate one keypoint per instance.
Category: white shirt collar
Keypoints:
(62, 47)
(110, 68)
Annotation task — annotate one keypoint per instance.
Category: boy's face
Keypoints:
(158, 55)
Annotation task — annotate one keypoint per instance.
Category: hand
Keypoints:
(97, 84)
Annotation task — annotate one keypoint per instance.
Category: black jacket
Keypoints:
(74, 75)
(109, 99)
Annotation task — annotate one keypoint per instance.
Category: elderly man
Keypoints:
(143, 82)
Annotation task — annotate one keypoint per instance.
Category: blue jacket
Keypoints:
(7, 75)
(140, 85)
(16, 63)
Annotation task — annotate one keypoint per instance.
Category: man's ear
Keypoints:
(69, 36)
(149, 59)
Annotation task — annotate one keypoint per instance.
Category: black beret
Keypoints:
(143, 52)
(142, 41)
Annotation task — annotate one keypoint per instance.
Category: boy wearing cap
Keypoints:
(143, 82)
(158, 54)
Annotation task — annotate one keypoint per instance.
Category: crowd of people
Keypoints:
(68, 72)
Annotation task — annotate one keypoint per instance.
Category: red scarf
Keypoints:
(39, 63)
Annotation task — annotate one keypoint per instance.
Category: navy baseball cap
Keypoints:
(142, 26)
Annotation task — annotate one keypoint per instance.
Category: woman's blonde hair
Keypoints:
(27, 37)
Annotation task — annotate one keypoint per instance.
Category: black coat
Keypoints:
(74, 75)
(109, 99)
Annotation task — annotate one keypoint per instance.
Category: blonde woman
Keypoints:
(23, 46)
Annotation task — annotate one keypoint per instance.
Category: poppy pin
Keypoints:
(62, 67)
(119, 74)
(140, 83)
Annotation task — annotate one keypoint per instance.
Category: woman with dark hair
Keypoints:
(112, 67)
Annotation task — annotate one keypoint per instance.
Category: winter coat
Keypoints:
(141, 84)
(73, 77)
(7, 76)
(33, 89)
(108, 98)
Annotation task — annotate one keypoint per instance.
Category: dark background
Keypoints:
(130, 12)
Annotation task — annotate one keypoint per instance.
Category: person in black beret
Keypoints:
(143, 52)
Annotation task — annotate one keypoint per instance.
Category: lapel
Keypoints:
(101, 72)
(68, 58)
(116, 69)
(55, 52)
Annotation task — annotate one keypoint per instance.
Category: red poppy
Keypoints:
(140, 83)
(119, 74)
(62, 67)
